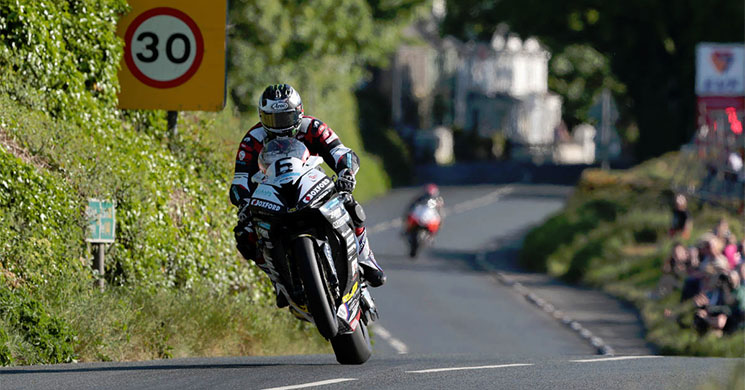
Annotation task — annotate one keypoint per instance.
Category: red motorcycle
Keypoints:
(422, 223)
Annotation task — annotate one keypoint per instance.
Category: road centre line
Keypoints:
(616, 358)
(455, 209)
(321, 383)
(431, 370)
(397, 344)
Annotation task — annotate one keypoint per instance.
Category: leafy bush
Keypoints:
(42, 221)
(44, 338)
(67, 55)
(561, 229)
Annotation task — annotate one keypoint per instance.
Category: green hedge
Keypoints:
(174, 247)
(62, 57)
(40, 247)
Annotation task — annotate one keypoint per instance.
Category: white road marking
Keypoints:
(321, 383)
(383, 226)
(397, 344)
(467, 368)
(615, 358)
(482, 200)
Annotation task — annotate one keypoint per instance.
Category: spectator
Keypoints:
(693, 260)
(692, 284)
(736, 320)
(707, 257)
(681, 222)
(674, 270)
(721, 230)
(711, 252)
(731, 253)
(714, 301)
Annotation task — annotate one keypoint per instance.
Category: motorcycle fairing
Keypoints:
(348, 309)
(424, 216)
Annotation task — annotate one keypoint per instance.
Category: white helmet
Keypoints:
(280, 111)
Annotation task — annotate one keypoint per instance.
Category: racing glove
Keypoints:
(345, 181)
(246, 242)
(244, 213)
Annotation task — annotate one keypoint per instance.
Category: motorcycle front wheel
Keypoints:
(353, 348)
(315, 288)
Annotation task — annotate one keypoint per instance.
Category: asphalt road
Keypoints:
(444, 324)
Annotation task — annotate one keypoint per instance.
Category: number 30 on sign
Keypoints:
(174, 55)
(164, 47)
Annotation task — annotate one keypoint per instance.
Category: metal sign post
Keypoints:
(173, 124)
(101, 217)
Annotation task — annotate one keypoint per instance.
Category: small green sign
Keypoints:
(101, 221)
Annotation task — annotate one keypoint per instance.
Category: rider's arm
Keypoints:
(323, 141)
(246, 165)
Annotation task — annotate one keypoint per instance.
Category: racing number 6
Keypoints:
(283, 167)
(152, 47)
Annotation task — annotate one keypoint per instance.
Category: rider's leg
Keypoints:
(371, 270)
(246, 242)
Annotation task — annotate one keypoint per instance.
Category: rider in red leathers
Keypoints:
(431, 191)
(281, 115)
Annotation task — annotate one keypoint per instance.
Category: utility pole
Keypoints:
(173, 124)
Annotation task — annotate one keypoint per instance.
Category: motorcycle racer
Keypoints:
(431, 192)
(281, 114)
(422, 219)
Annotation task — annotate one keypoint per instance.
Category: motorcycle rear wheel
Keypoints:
(315, 288)
(353, 348)
(413, 244)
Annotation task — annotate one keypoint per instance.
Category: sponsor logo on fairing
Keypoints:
(340, 222)
(265, 205)
(343, 312)
(317, 189)
(263, 191)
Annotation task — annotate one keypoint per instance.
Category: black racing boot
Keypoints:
(374, 276)
(282, 301)
(371, 271)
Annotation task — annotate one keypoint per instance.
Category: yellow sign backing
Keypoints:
(174, 55)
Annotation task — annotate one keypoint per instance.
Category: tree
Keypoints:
(650, 45)
(323, 45)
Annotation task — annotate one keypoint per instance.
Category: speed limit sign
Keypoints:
(174, 55)
(164, 47)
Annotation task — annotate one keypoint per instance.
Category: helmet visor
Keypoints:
(280, 120)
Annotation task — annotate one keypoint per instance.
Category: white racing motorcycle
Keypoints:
(422, 224)
(307, 238)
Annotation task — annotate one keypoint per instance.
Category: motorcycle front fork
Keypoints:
(369, 310)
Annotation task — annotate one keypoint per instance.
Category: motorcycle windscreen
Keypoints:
(282, 148)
